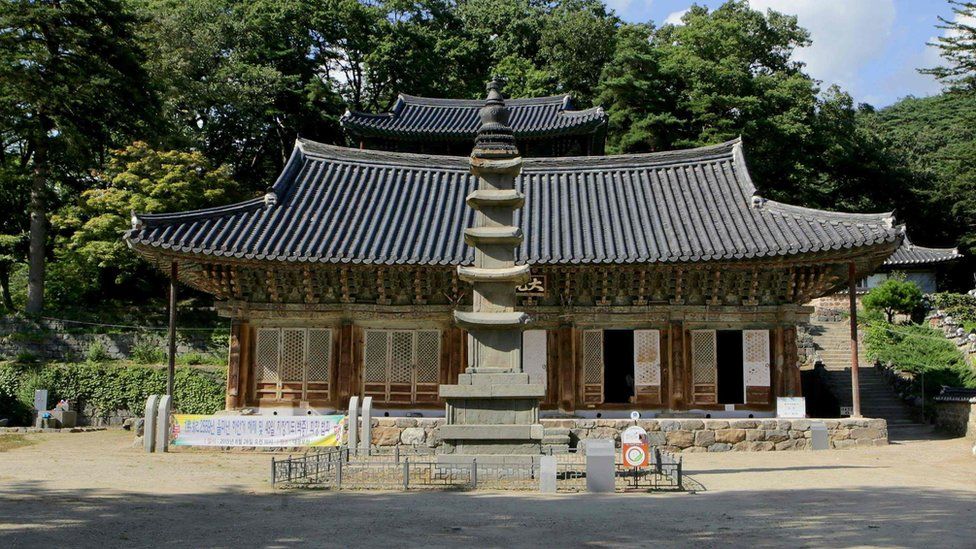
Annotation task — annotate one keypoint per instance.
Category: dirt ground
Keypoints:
(95, 490)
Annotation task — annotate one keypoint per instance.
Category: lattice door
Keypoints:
(292, 365)
(755, 365)
(592, 366)
(401, 366)
(318, 364)
(704, 364)
(267, 349)
(647, 365)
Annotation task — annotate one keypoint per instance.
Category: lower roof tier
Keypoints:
(346, 206)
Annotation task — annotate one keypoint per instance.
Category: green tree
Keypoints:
(894, 295)
(957, 46)
(71, 79)
(136, 179)
(14, 190)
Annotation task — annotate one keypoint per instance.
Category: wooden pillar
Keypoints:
(566, 367)
(171, 370)
(247, 364)
(346, 368)
(779, 365)
(452, 355)
(234, 368)
(791, 366)
(855, 365)
(677, 374)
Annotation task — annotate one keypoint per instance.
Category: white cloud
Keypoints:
(674, 18)
(846, 34)
(631, 10)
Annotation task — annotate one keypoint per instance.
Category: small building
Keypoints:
(543, 126)
(661, 282)
(918, 264)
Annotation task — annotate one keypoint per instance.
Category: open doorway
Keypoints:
(728, 345)
(618, 366)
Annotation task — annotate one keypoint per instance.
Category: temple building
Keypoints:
(543, 126)
(659, 282)
(918, 264)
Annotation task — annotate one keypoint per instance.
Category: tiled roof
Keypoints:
(956, 394)
(335, 204)
(429, 118)
(910, 254)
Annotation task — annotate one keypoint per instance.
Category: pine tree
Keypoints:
(957, 47)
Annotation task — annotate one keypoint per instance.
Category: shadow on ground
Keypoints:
(32, 516)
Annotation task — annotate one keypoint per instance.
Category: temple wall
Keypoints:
(678, 435)
(956, 418)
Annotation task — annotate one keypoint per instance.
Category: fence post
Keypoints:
(681, 485)
(289, 468)
(474, 473)
(272, 471)
(339, 472)
(406, 474)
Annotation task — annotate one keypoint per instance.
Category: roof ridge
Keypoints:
(478, 103)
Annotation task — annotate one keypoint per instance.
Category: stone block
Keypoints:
(622, 424)
(704, 438)
(743, 424)
(801, 444)
(843, 444)
(430, 422)
(865, 433)
(668, 425)
(656, 438)
(649, 424)
(877, 424)
(786, 445)
(691, 424)
(604, 432)
(715, 424)
(730, 436)
(386, 436)
(796, 434)
(720, 447)
(692, 450)
(405, 422)
(831, 423)
(413, 436)
(681, 439)
(755, 434)
(586, 424)
(801, 425)
(763, 446)
(783, 425)
(840, 434)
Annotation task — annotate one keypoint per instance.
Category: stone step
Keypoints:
(555, 449)
(555, 439)
(556, 431)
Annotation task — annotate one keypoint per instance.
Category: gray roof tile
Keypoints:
(338, 205)
(910, 254)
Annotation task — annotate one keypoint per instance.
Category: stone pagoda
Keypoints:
(493, 410)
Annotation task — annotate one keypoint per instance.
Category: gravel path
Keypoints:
(95, 490)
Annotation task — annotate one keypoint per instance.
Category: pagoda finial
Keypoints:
(495, 137)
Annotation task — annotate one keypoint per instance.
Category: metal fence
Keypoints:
(418, 468)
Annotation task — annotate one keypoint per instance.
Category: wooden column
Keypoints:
(566, 367)
(346, 373)
(779, 365)
(171, 370)
(791, 369)
(453, 356)
(677, 368)
(247, 365)
(855, 366)
(234, 368)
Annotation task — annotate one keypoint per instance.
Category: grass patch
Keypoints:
(10, 442)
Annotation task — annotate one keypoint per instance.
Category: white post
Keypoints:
(149, 423)
(162, 424)
(367, 430)
(352, 425)
(600, 470)
(547, 475)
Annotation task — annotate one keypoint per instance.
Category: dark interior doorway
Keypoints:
(730, 383)
(618, 365)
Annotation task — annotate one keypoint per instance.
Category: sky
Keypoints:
(871, 48)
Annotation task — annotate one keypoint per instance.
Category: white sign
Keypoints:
(633, 435)
(846, 411)
(791, 407)
(264, 431)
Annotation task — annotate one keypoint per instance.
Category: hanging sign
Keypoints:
(636, 451)
(536, 286)
(263, 431)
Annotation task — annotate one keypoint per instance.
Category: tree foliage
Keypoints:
(957, 46)
(893, 296)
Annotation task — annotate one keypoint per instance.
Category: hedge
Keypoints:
(106, 388)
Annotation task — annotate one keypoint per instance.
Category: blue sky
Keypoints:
(870, 48)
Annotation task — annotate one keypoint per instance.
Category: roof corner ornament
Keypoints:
(758, 202)
(134, 219)
(495, 137)
(270, 198)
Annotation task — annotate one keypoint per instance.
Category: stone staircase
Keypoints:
(878, 399)
(555, 440)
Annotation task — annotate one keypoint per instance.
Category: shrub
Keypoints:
(961, 307)
(196, 359)
(26, 357)
(919, 349)
(895, 295)
(147, 352)
(96, 352)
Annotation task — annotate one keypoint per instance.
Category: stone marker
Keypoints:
(40, 400)
(819, 439)
(600, 455)
(149, 430)
(367, 430)
(162, 424)
(352, 425)
(547, 474)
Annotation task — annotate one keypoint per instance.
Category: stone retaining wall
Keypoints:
(688, 435)
(956, 418)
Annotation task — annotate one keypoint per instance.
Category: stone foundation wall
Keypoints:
(956, 418)
(687, 435)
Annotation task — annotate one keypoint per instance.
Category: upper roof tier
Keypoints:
(908, 255)
(457, 119)
(339, 205)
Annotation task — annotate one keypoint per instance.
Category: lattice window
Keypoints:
(593, 357)
(376, 356)
(266, 355)
(319, 355)
(755, 357)
(428, 356)
(401, 357)
(292, 354)
(703, 356)
(647, 357)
